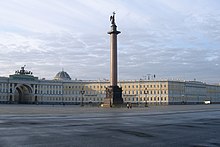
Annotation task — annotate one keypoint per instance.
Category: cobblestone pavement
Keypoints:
(57, 126)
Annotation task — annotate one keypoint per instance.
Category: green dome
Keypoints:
(62, 75)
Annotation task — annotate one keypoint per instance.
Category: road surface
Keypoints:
(158, 126)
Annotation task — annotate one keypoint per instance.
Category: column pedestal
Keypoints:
(113, 97)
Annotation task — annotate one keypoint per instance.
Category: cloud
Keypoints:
(167, 38)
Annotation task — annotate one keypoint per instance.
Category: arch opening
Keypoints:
(23, 94)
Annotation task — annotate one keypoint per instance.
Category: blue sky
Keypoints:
(173, 39)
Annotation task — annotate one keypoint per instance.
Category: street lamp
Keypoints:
(82, 92)
(145, 94)
(183, 100)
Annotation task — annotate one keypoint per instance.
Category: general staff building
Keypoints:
(22, 87)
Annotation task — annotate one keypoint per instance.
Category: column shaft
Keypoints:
(113, 60)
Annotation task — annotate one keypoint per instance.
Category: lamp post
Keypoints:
(145, 94)
(82, 92)
(183, 100)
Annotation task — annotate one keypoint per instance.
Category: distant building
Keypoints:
(23, 87)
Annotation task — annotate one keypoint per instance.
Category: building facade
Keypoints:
(24, 88)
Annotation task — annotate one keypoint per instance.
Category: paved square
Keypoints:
(55, 126)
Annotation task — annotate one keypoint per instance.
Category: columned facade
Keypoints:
(27, 89)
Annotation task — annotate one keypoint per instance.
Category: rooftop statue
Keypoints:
(112, 19)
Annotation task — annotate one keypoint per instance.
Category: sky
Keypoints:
(172, 39)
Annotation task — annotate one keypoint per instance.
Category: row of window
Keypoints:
(49, 92)
(37, 86)
(3, 85)
(85, 92)
(86, 99)
(123, 86)
(3, 90)
(76, 99)
(85, 87)
(103, 92)
(3, 97)
(144, 86)
(93, 92)
(50, 87)
(146, 99)
(146, 92)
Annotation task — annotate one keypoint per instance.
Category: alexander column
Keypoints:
(113, 92)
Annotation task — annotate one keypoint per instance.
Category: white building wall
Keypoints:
(152, 92)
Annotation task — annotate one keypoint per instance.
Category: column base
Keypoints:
(113, 97)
